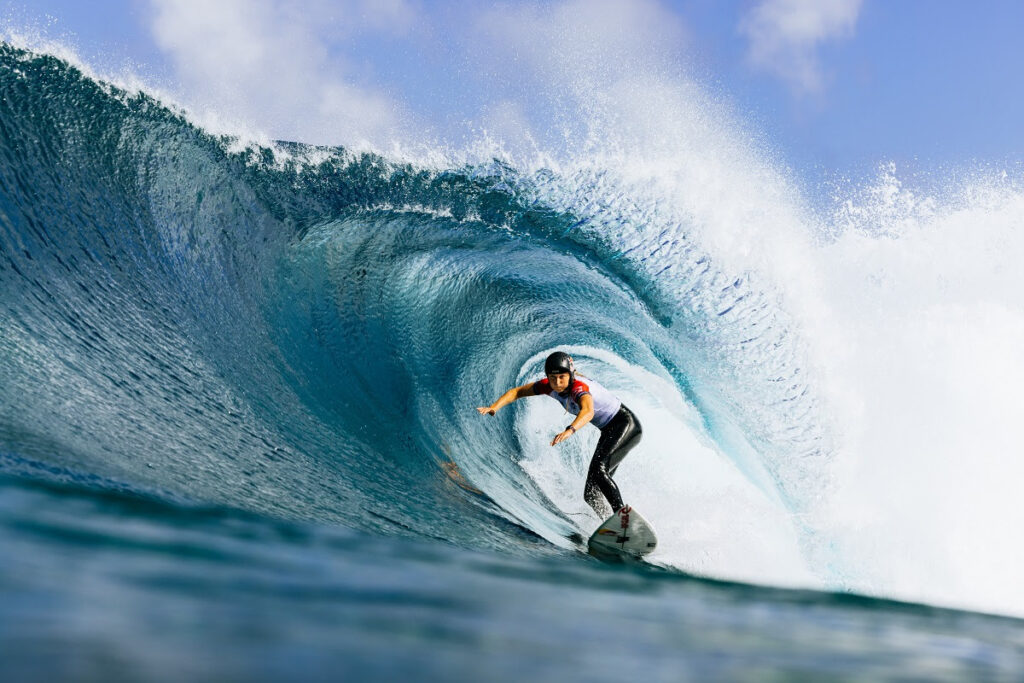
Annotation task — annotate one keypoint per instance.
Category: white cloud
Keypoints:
(525, 75)
(784, 36)
(589, 39)
(562, 62)
(275, 65)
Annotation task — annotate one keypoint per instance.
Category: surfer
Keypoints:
(590, 403)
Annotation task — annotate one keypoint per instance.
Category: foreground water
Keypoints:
(104, 585)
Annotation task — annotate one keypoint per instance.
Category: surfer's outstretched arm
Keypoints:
(509, 396)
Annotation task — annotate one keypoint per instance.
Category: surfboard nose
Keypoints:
(625, 533)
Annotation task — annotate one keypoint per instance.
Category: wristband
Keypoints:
(572, 428)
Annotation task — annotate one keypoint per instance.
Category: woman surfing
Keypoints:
(592, 404)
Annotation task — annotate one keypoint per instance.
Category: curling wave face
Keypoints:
(304, 332)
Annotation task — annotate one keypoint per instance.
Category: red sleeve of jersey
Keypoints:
(578, 389)
(542, 387)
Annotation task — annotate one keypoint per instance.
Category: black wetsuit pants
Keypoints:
(618, 438)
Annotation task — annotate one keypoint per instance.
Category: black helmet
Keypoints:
(560, 362)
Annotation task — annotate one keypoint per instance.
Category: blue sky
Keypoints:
(832, 87)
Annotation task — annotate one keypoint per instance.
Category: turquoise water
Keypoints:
(238, 436)
(104, 585)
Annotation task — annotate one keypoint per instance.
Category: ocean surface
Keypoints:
(238, 436)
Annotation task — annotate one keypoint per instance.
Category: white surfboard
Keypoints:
(624, 533)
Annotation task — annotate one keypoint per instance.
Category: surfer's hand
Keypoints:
(485, 410)
(562, 437)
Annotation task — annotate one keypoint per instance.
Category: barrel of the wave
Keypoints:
(625, 533)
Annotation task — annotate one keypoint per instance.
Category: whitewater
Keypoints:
(266, 356)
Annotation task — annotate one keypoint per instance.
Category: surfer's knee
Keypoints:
(598, 467)
(598, 478)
